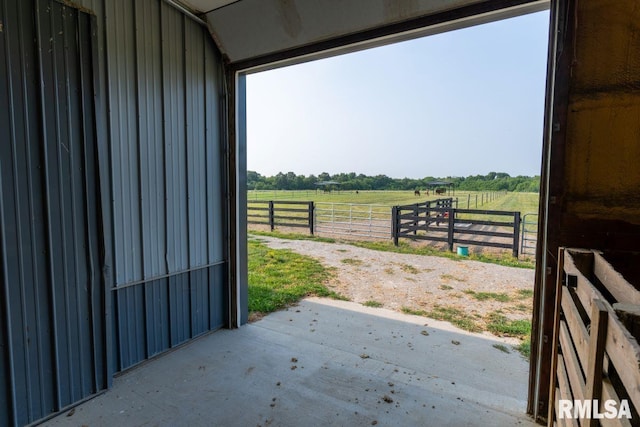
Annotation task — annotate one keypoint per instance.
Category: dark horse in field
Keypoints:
(440, 191)
(416, 193)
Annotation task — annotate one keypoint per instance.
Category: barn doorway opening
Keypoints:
(464, 107)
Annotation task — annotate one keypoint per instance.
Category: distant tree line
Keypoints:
(493, 181)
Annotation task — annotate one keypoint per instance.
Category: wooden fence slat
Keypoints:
(577, 329)
(609, 393)
(597, 339)
(622, 291)
(565, 393)
(571, 361)
(484, 233)
(553, 396)
(479, 243)
(623, 350)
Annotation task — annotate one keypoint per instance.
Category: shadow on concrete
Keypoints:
(321, 363)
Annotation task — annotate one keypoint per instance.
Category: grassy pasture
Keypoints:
(521, 202)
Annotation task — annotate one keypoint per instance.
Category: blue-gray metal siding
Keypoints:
(163, 80)
(100, 274)
(52, 339)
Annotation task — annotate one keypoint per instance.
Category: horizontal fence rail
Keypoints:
(353, 219)
(281, 214)
(439, 221)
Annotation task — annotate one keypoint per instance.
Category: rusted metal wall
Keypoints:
(592, 151)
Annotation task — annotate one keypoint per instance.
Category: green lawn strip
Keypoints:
(291, 236)
(281, 277)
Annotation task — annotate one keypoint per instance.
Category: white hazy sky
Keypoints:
(455, 104)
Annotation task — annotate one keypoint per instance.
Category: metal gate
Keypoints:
(529, 234)
(52, 333)
(352, 219)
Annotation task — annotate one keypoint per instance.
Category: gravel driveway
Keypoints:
(417, 282)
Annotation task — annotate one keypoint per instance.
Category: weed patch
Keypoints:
(500, 325)
(372, 303)
(407, 268)
(483, 296)
(452, 315)
(450, 277)
(525, 293)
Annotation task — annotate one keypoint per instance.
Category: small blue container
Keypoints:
(463, 250)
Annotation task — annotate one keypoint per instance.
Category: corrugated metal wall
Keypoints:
(53, 329)
(163, 80)
(90, 288)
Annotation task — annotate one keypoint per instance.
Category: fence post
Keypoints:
(476, 201)
(468, 201)
(516, 233)
(272, 219)
(450, 230)
(416, 220)
(312, 211)
(394, 225)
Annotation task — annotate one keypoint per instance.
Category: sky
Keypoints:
(461, 103)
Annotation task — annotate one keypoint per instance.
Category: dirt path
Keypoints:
(420, 283)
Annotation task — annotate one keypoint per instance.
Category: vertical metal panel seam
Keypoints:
(136, 66)
(19, 227)
(165, 175)
(106, 208)
(40, 347)
(87, 222)
(71, 142)
(12, 407)
(186, 150)
(114, 299)
(208, 274)
(30, 199)
(48, 224)
(60, 196)
(5, 287)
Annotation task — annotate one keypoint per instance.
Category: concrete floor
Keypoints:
(321, 363)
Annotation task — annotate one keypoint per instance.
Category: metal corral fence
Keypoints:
(444, 223)
(352, 219)
(281, 213)
(529, 234)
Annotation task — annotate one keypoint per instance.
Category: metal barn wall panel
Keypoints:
(52, 338)
(112, 207)
(163, 80)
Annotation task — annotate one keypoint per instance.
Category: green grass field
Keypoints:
(521, 202)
